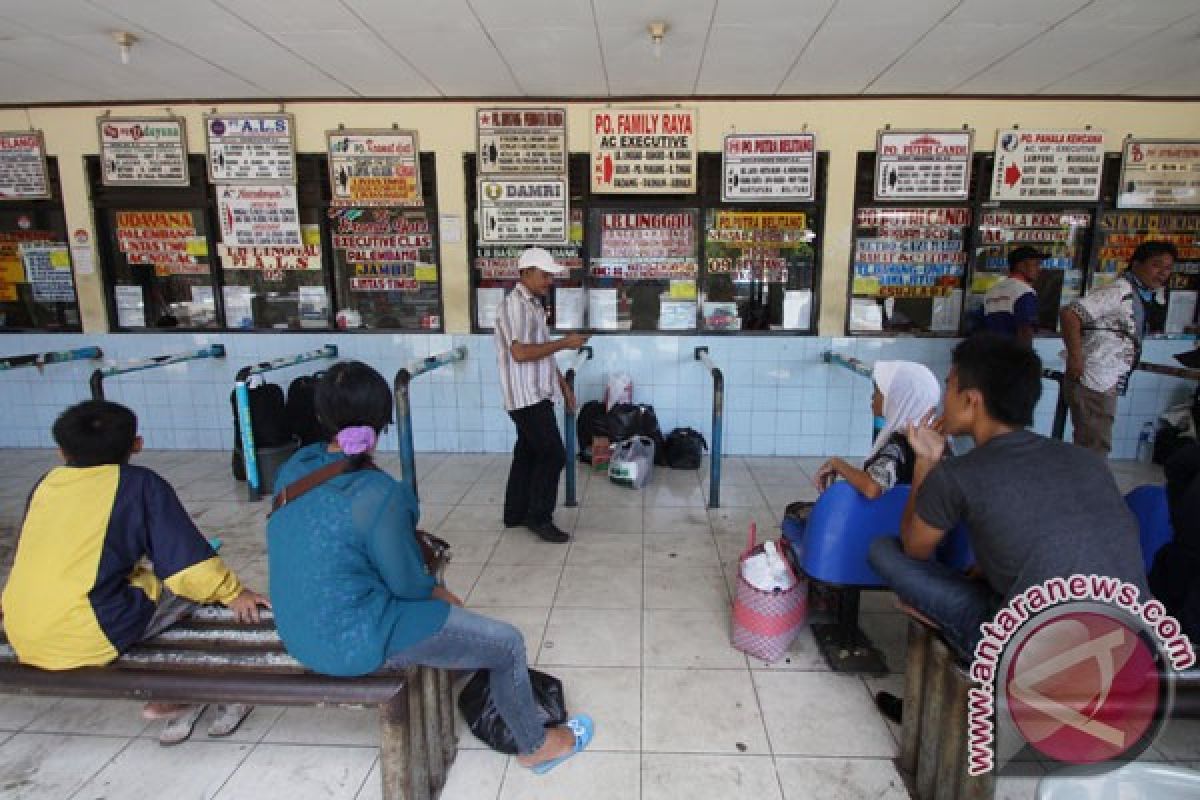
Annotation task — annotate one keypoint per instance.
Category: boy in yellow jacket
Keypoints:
(80, 593)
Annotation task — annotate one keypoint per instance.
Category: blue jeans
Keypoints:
(958, 604)
(473, 641)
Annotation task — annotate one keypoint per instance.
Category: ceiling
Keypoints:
(63, 50)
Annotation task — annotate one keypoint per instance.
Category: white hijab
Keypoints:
(909, 392)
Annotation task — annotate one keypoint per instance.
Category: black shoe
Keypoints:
(550, 532)
(890, 706)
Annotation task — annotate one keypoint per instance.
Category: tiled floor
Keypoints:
(632, 616)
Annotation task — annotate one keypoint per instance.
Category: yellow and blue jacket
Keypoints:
(80, 592)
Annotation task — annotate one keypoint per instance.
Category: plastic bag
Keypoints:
(479, 712)
(632, 462)
(620, 390)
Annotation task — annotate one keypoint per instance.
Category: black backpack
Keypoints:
(590, 414)
(268, 418)
(301, 410)
(685, 448)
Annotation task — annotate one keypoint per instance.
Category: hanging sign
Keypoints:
(23, 166)
(644, 151)
(761, 167)
(909, 252)
(524, 211)
(1160, 173)
(923, 165)
(1048, 165)
(271, 259)
(521, 141)
(258, 216)
(143, 151)
(48, 270)
(499, 262)
(374, 167)
(646, 246)
(251, 148)
(757, 245)
(168, 240)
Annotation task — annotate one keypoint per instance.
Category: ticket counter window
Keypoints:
(37, 286)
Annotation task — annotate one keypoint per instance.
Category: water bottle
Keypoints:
(1145, 444)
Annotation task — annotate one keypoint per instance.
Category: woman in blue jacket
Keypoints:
(350, 589)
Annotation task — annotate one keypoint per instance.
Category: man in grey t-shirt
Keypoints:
(1035, 508)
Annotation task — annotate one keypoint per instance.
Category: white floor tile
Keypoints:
(17, 711)
(821, 714)
(592, 638)
(78, 715)
(612, 697)
(839, 779)
(326, 726)
(693, 520)
(461, 578)
(522, 547)
(38, 766)
(689, 640)
(700, 711)
(609, 519)
(680, 550)
(291, 772)
(600, 587)
(503, 585)
(803, 654)
(146, 769)
(709, 777)
(474, 775)
(605, 550)
(587, 776)
(471, 547)
(686, 588)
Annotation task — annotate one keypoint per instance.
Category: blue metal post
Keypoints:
(849, 362)
(408, 459)
(582, 354)
(97, 380)
(1059, 428)
(718, 420)
(40, 360)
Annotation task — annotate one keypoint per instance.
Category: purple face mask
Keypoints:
(356, 440)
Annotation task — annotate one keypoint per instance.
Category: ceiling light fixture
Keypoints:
(125, 40)
(657, 30)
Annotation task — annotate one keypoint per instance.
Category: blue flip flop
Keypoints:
(584, 730)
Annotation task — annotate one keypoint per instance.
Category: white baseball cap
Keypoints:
(540, 258)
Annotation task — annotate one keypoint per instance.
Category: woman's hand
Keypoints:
(442, 593)
(926, 437)
(827, 474)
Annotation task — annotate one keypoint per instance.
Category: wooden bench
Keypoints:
(210, 658)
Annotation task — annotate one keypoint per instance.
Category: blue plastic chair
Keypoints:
(1149, 505)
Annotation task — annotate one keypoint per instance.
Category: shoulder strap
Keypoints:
(314, 479)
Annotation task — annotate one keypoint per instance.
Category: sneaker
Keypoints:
(550, 532)
(890, 706)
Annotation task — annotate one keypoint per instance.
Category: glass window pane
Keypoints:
(1120, 232)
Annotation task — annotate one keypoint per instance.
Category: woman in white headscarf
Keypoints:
(904, 392)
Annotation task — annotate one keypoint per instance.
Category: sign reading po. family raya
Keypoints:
(521, 141)
(1157, 173)
(922, 165)
(644, 151)
(23, 165)
(374, 168)
(523, 211)
(259, 216)
(143, 152)
(768, 167)
(1048, 165)
(251, 148)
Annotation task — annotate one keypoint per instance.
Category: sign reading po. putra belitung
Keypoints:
(643, 151)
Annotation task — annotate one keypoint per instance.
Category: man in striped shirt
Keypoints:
(530, 383)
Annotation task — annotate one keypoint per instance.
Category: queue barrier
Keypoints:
(96, 382)
(581, 355)
(40, 360)
(718, 425)
(405, 376)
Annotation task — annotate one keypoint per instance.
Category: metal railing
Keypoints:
(1058, 428)
(849, 362)
(40, 360)
(581, 355)
(241, 392)
(96, 383)
(718, 424)
(408, 466)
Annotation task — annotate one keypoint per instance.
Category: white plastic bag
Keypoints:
(632, 462)
(619, 390)
(767, 570)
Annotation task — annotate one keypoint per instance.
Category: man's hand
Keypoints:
(1074, 369)
(245, 606)
(442, 593)
(926, 437)
(569, 398)
(574, 341)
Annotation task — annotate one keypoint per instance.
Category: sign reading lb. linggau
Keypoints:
(251, 148)
(23, 166)
(374, 168)
(644, 151)
(768, 167)
(521, 141)
(523, 211)
(1047, 165)
(923, 165)
(143, 151)
(1159, 173)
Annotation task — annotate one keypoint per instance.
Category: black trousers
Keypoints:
(538, 460)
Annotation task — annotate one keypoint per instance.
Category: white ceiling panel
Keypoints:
(359, 60)
(635, 15)
(274, 68)
(950, 54)
(633, 69)
(294, 16)
(1147, 12)
(844, 59)
(908, 14)
(740, 56)
(532, 15)
(12, 29)
(178, 21)
(67, 61)
(476, 67)
(1156, 58)
(555, 61)
(1181, 82)
(1052, 56)
(1014, 12)
(772, 14)
(415, 15)
(59, 17)
(20, 85)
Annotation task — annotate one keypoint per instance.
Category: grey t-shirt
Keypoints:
(1035, 509)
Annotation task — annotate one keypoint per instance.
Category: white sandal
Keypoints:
(229, 718)
(178, 729)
